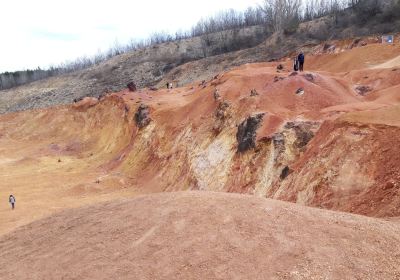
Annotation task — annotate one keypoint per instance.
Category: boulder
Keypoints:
(142, 117)
(300, 91)
(363, 90)
(309, 77)
(253, 92)
(285, 172)
(131, 86)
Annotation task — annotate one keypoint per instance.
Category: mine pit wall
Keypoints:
(348, 167)
(196, 157)
(345, 166)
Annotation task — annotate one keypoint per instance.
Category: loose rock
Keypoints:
(253, 92)
(131, 86)
(363, 90)
(142, 117)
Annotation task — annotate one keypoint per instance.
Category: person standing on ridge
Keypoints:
(12, 200)
(300, 59)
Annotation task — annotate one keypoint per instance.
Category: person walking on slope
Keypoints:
(12, 200)
(300, 59)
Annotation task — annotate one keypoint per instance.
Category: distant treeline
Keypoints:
(274, 15)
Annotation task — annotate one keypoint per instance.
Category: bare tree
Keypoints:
(280, 13)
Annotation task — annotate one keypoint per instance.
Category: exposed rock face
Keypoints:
(217, 96)
(358, 43)
(247, 132)
(131, 86)
(327, 48)
(303, 131)
(221, 112)
(142, 117)
(285, 172)
(278, 139)
(221, 115)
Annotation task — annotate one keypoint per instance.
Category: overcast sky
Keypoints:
(45, 32)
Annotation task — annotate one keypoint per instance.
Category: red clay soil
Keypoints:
(352, 167)
(202, 235)
(93, 151)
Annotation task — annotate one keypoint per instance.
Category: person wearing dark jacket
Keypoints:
(300, 59)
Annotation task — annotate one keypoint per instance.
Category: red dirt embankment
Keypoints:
(201, 235)
(351, 167)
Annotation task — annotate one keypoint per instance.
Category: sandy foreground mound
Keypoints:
(202, 235)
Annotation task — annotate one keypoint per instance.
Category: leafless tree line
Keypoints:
(222, 21)
(274, 15)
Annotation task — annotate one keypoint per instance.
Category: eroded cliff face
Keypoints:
(328, 147)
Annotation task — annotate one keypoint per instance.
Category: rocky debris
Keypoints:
(357, 43)
(59, 160)
(76, 100)
(85, 103)
(279, 67)
(363, 90)
(247, 132)
(153, 88)
(221, 115)
(102, 96)
(222, 110)
(253, 92)
(303, 137)
(328, 48)
(300, 91)
(285, 172)
(131, 86)
(142, 117)
(309, 77)
(303, 131)
(217, 96)
(278, 140)
(293, 74)
(203, 84)
(277, 79)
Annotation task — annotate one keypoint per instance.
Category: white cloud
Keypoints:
(44, 32)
